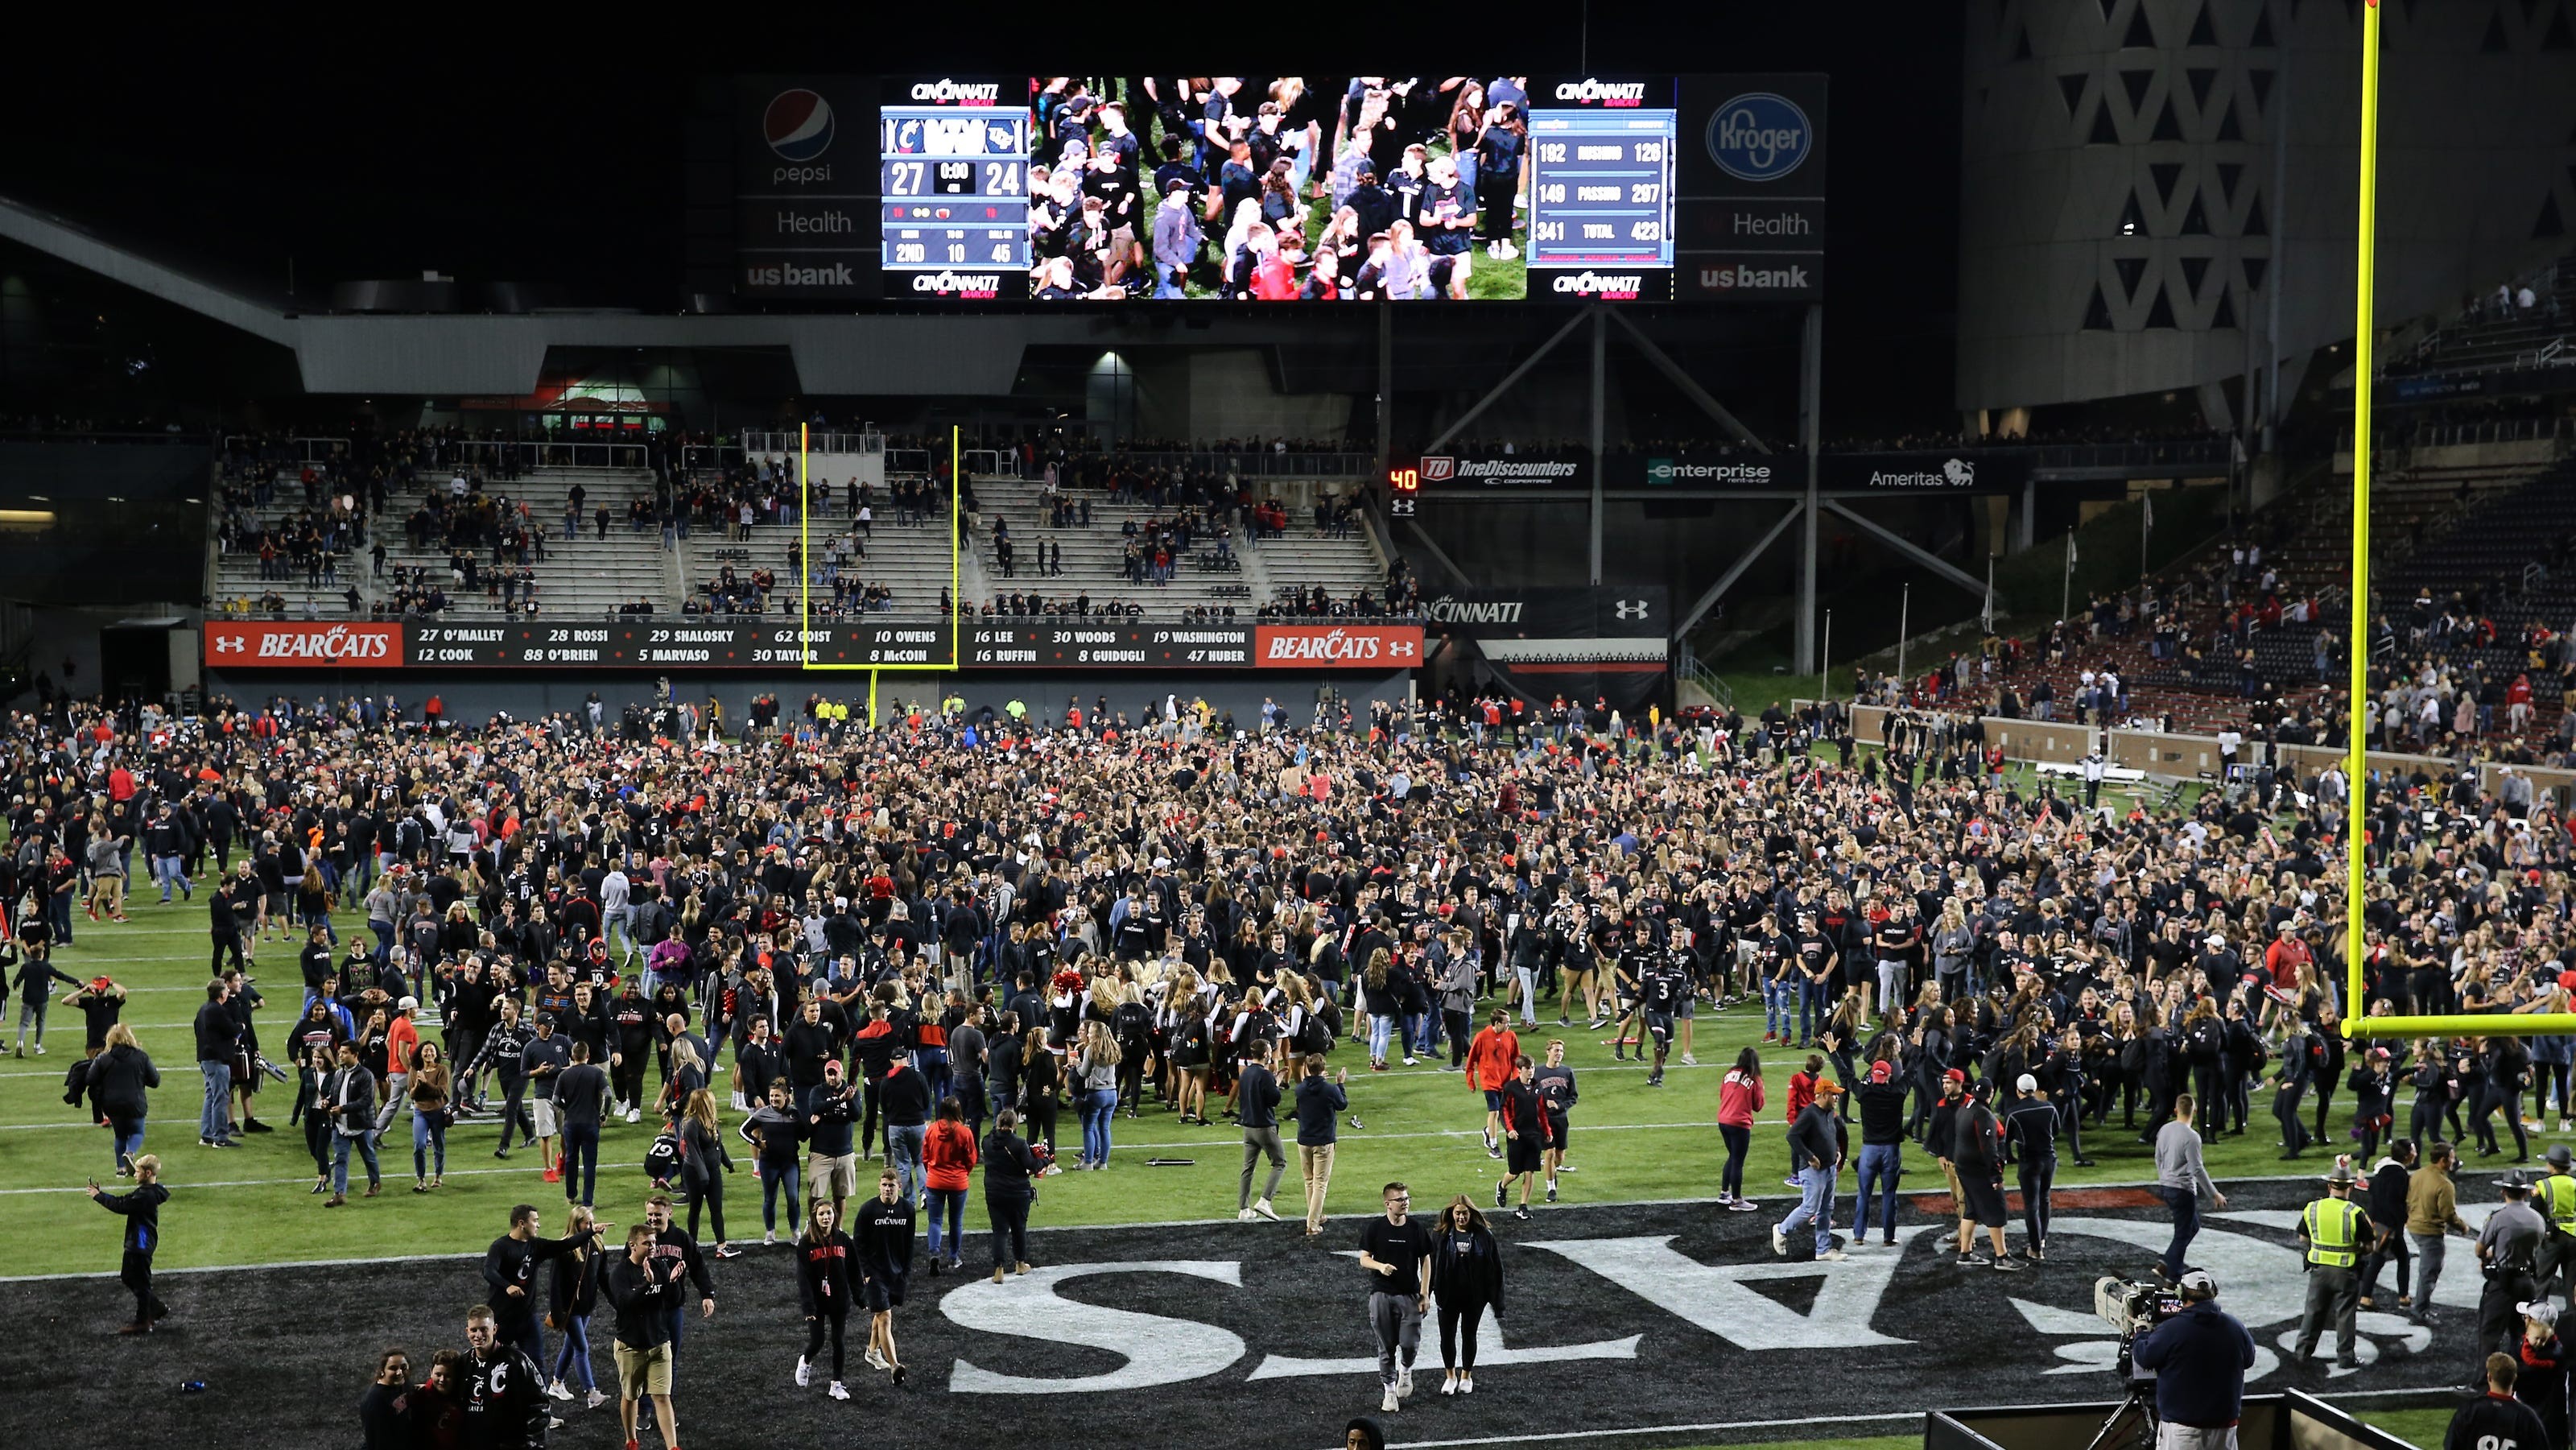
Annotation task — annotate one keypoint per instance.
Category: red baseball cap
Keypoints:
(1955, 1075)
(1878, 1072)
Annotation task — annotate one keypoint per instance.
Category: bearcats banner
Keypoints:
(695, 642)
(260, 643)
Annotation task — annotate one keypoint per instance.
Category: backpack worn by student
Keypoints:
(1313, 1036)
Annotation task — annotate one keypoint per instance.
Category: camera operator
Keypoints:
(2200, 1357)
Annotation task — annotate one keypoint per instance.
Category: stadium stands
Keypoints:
(1221, 569)
(2527, 322)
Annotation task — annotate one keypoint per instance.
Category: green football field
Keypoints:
(252, 1205)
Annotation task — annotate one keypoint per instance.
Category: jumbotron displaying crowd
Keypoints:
(1115, 914)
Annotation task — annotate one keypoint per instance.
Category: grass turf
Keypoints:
(251, 1205)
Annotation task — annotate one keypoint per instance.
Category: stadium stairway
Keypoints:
(587, 577)
(909, 560)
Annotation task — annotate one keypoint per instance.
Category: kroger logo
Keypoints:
(1759, 137)
(798, 125)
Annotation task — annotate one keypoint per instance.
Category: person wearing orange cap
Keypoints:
(1817, 1147)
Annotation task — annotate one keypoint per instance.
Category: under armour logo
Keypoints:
(1632, 608)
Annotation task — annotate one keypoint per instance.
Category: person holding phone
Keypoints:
(141, 1210)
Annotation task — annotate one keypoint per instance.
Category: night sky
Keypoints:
(546, 146)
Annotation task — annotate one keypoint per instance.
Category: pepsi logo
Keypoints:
(798, 125)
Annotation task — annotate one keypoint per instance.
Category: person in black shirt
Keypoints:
(1663, 988)
(1525, 1135)
(884, 1241)
(644, 1290)
(141, 1210)
(1397, 1254)
(1882, 1152)
(505, 1396)
(510, 1269)
(1467, 1277)
(2496, 1419)
(824, 1288)
(2030, 1135)
(1554, 1084)
(385, 1411)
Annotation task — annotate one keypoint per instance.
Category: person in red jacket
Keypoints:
(947, 1158)
(1739, 1101)
(1802, 1091)
(1489, 1069)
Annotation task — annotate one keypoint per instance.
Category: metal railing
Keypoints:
(486, 453)
(2484, 430)
(2212, 451)
(774, 441)
(1247, 465)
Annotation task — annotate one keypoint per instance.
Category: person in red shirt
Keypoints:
(1802, 1091)
(947, 1159)
(1739, 1101)
(1489, 1070)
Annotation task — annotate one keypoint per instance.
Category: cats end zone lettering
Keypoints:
(1617, 1319)
(375, 646)
(1307, 646)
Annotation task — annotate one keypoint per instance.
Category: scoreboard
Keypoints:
(1603, 159)
(1638, 188)
(952, 181)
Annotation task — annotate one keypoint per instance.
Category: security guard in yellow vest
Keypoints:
(2555, 1197)
(2336, 1232)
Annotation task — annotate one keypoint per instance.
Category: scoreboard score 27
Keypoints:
(953, 184)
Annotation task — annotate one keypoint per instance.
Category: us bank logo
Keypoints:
(797, 125)
(1759, 137)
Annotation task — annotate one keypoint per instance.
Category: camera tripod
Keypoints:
(2136, 1416)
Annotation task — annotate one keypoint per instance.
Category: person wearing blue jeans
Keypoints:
(1882, 1154)
(904, 1096)
(350, 1094)
(573, 1295)
(1815, 1145)
(215, 1032)
(1095, 1084)
(2182, 1178)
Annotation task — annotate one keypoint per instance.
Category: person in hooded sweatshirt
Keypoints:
(826, 1283)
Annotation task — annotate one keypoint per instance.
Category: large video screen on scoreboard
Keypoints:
(1338, 188)
(1069, 189)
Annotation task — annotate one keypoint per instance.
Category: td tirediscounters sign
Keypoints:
(1338, 646)
(258, 643)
